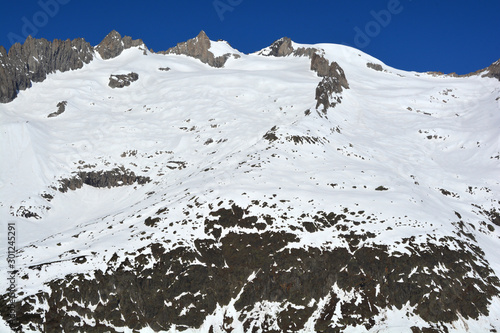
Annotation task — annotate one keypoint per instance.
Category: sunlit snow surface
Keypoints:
(197, 132)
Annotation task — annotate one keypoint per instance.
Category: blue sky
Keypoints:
(422, 35)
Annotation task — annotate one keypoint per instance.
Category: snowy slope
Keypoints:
(404, 155)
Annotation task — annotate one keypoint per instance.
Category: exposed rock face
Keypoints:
(334, 81)
(8, 88)
(255, 268)
(377, 67)
(112, 178)
(113, 45)
(494, 70)
(281, 48)
(122, 80)
(198, 48)
(61, 107)
(32, 61)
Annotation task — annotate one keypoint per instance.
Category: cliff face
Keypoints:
(33, 60)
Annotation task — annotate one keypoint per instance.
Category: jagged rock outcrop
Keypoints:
(113, 45)
(33, 60)
(61, 107)
(102, 179)
(283, 47)
(8, 89)
(377, 67)
(493, 70)
(198, 48)
(122, 80)
(256, 268)
(334, 80)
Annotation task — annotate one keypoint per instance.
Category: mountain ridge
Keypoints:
(19, 67)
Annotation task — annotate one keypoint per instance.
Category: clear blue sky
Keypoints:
(441, 35)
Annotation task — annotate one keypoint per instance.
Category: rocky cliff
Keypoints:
(494, 70)
(35, 58)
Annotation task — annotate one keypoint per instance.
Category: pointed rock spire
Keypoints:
(281, 48)
(198, 48)
(202, 35)
(113, 45)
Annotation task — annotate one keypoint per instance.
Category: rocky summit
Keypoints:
(300, 188)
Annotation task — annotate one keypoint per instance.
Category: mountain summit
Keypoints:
(299, 188)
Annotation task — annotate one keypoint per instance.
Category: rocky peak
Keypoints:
(199, 48)
(494, 70)
(202, 36)
(281, 48)
(113, 45)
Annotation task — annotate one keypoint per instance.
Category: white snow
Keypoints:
(221, 48)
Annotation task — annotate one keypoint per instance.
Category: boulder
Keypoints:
(122, 80)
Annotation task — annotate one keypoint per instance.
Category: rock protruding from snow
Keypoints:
(33, 60)
(7, 82)
(61, 107)
(281, 48)
(113, 45)
(199, 48)
(102, 179)
(284, 47)
(334, 81)
(122, 80)
(494, 70)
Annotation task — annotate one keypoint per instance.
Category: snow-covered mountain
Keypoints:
(299, 188)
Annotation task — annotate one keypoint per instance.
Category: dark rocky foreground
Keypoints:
(159, 288)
